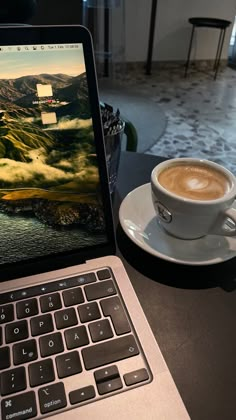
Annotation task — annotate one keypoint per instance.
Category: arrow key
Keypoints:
(136, 376)
(109, 386)
(82, 394)
(107, 373)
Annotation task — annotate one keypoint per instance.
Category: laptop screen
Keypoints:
(50, 191)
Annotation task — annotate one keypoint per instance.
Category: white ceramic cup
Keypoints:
(189, 218)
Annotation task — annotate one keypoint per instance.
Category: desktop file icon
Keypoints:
(44, 90)
(48, 118)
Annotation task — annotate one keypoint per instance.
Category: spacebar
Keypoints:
(110, 351)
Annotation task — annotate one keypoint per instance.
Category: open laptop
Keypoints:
(74, 341)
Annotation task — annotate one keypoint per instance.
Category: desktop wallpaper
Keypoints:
(49, 183)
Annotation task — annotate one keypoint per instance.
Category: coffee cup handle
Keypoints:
(225, 224)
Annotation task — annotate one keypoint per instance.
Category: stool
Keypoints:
(208, 23)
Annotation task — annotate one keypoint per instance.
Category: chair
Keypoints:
(114, 123)
(200, 22)
(131, 135)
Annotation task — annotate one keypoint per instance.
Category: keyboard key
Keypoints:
(73, 296)
(109, 352)
(107, 373)
(99, 290)
(104, 274)
(70, 282)
(6, 314)
(68, 364)
(112, 307)
(66, 318)
(19, 294)
(43, 289)
(24, 403)
(136, 376)
(4, 358)
(12, 381)
(24, 352)
(16, 331)
(85, 278)
(41, 324)
(76, 337)
(27, 308)
(100, 330)
(50, 302)
(109, 386)
(82, 394)
(51, 344)
(52, 398)
(74, 281)
(41, 372)
(89, 312)
(6, 298)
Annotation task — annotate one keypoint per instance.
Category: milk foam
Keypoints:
(197, 182)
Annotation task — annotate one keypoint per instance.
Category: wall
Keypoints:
(57, 12)
(173, 31)
(172, 28)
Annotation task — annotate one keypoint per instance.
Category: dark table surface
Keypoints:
(191, 310)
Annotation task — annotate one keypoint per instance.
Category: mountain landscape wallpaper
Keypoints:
(49, 185)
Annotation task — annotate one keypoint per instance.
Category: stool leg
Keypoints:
(218, 49)
(219, 55)
(151, 37)
(189, 52)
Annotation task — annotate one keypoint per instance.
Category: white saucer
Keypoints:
(138, 220)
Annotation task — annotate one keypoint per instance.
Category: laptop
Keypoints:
(74, 341)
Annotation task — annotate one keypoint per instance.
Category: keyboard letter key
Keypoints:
(51, 344)
(16, 331)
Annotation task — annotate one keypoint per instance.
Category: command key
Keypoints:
(19, 407)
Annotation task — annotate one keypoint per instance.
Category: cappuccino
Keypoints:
(194, 181)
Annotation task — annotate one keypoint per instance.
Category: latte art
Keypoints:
(197, 182)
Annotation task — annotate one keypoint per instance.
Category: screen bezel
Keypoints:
(62, 34)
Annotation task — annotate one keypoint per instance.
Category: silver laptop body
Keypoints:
(74, 341)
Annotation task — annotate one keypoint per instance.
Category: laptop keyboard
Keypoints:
(64, 344)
